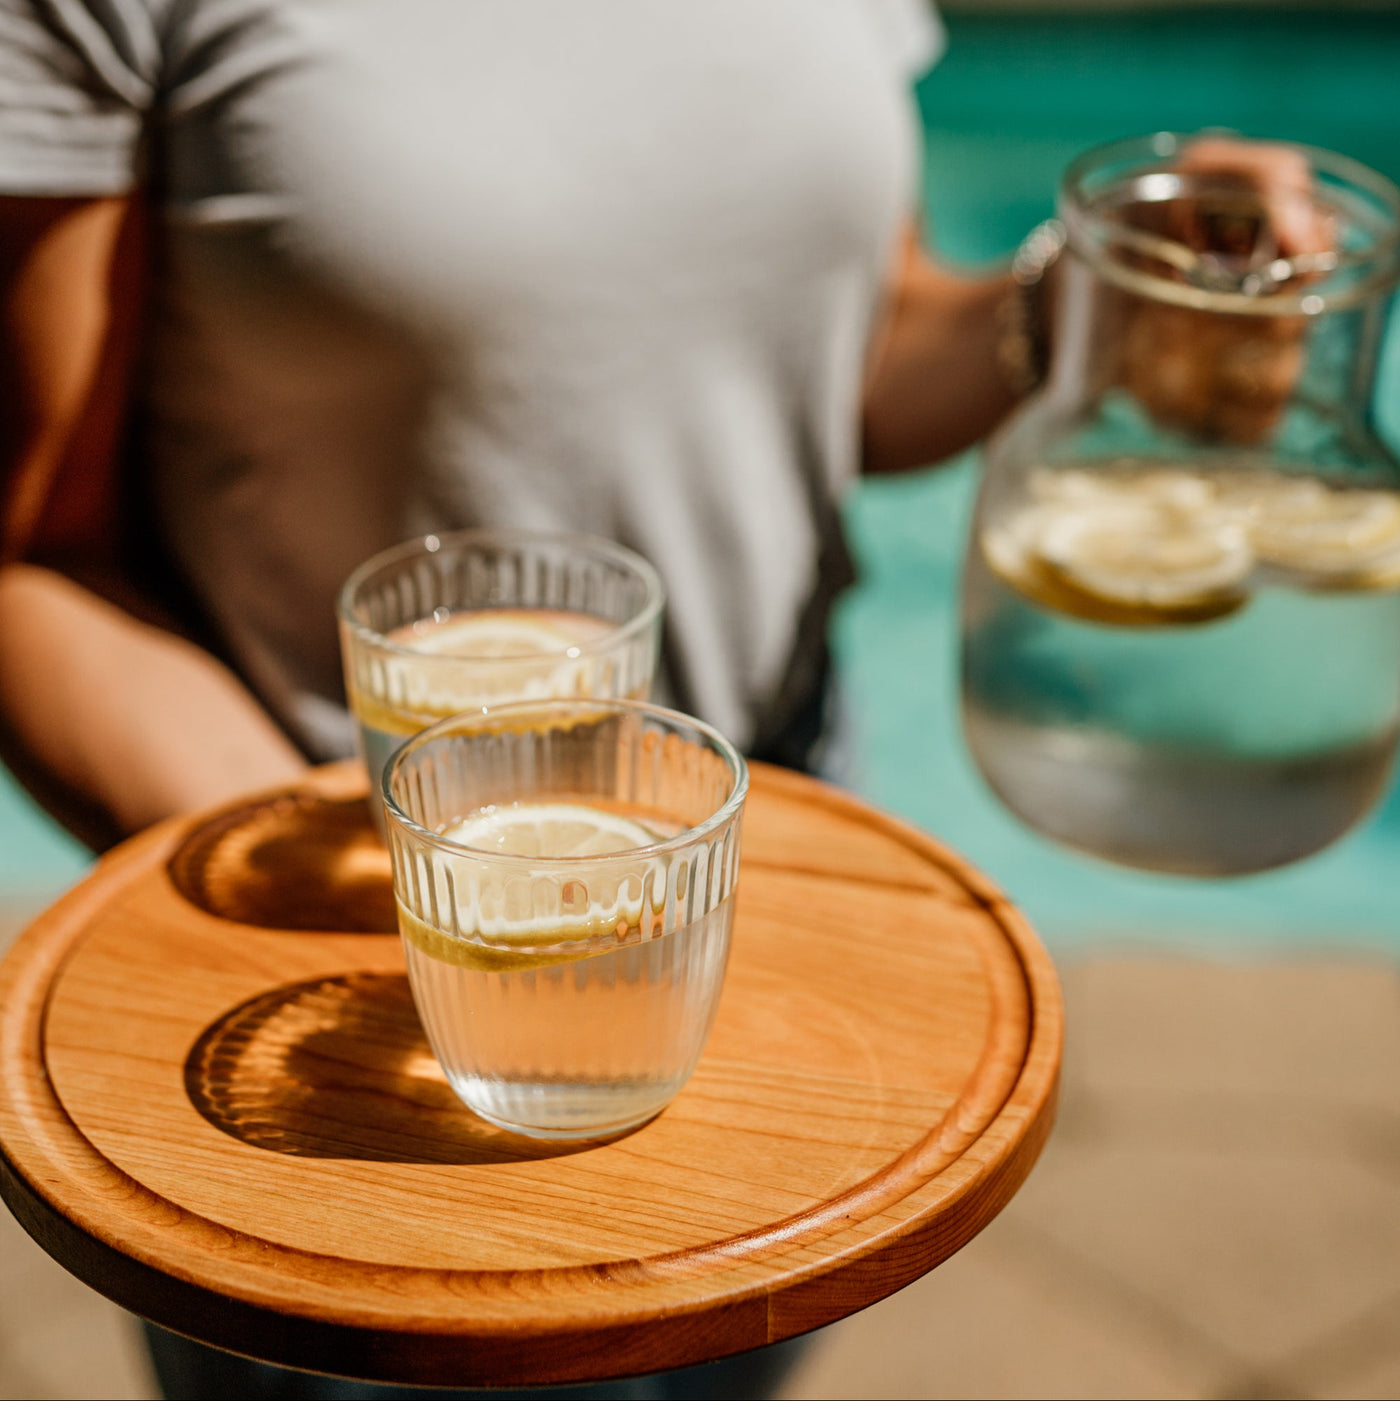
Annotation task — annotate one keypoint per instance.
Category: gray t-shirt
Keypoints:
(597, 265)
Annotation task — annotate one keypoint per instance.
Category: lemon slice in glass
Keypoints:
(492, 633)
(483, 656)
(1332, 537)
(551, 830)
(533, 917)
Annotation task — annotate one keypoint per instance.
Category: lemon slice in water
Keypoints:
(551, 830)
(1332, 537)
(504, 654)
(1134, 552)
(1158, 486)
(493, 633)
(528, 919)
(1149, 559)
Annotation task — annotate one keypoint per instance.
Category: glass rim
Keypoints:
(581, 706)
(436, 542)
(1379, 264)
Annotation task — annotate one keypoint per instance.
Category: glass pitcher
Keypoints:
(1181, 603)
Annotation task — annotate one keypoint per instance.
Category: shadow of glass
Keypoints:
(339, 1068)
(294, 862)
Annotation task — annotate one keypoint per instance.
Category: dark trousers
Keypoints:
(190, 1371)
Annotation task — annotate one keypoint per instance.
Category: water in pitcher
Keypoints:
(1182, 670)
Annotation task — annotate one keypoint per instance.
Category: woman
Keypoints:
(331, 278)
(287, 283)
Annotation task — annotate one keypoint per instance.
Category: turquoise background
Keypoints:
(1017, 96)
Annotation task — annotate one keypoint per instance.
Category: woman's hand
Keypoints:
(1228, 377)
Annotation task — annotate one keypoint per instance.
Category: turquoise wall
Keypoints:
(1017, 96)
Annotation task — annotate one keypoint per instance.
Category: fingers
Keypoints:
(1226, 379)
(1229, 377)
(1280, 177)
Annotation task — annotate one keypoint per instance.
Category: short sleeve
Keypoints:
(76, 80)
(912, 34)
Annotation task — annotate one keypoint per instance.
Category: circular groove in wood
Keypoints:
(806, 1268)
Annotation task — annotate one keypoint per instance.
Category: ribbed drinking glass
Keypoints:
(565, 874)
(449, 622)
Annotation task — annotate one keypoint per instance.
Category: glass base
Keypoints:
(561, 1111)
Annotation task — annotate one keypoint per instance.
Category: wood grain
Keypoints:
(222, 1112)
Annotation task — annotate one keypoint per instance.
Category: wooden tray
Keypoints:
(218, 1109)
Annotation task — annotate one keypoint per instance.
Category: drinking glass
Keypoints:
(1181, 602)
(565, 875)
(476, 617)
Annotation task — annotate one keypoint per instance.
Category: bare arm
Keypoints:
(933, 384)
(112, 722)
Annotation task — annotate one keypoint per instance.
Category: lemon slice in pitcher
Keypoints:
(1331, 537)
(1148, 559)
(1167, 487)
(1159, 555)
(531, 918)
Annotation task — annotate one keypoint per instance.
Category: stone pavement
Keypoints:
(1217, 1215)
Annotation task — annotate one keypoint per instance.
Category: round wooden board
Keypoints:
(217, 1106)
